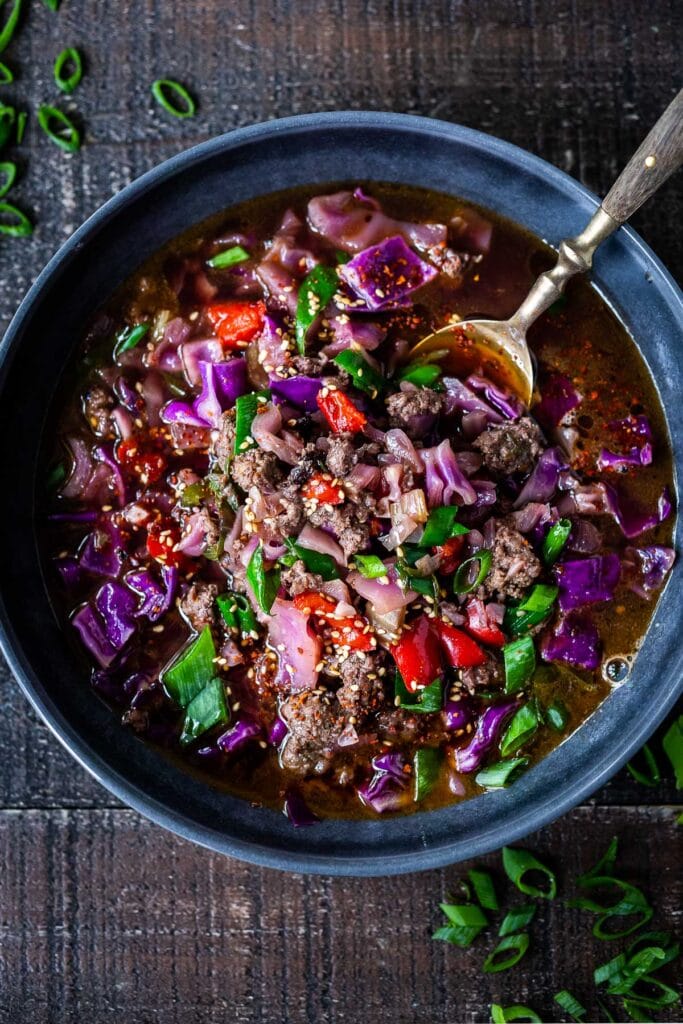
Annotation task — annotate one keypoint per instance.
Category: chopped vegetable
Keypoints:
(572, 1006)
(264, 583)
(557, 715)
(68, 82)
(482, 883)
(8, 29)
(59, 128)
(503, 1014)
(463, 582)
(672, 745)
(461, 650)
(631, 902)
(535, 607)
(417, 654)
(228, 258)
(315, 561)
(430, 699)
(204, 711)
(235, 323)
(518, 863)
(315, 291)
(651, 777)
(345, 631)
(173, 97)
(322, 488)
(19, 226)
(555, 540)
(9, 170)
(192, 670)
(517, 919)
(340, 412)
(370, 566)
(520, 663)
(245, 410)
(480, 626)
(521, 729)
(238, 614)
(364, 377)
(440, 526)
(6, 74)
(500, 775)
(518, 944)
(423, 375)
(128, 338)
(426, 765)
(466, 922)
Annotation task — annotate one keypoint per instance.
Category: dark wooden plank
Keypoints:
(110, 918)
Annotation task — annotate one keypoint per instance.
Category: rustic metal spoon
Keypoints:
(499, 347)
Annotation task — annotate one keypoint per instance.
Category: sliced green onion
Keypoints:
(518, 863)
(503, 1014)
(9, 170)
(18, 226)
(518, 944)
(174, 98)
(370, 566)
(466, 915)
(246, 407)
(364, 377)
(520, 730)
(421, 374)
(315, 561)
(661, 940)
(535, 607)
(59, 128)
(8, 117)
(440, 526)
(646, 1000)
(192, 670)
(67, 83)
(461, 584)
(265, 584)
(482, 883)
(426, 766)
(570, 1005)
(238, 614)
(557, 716)
(501, 774)
(315, 291)
(672, 745)
(631, 903)
(519, 657)
(555, 540)
(651, 776)
(410, 579)
(604, 865)
(517, 919)
(427, 700)
(457, 935)
(193, 494)
(228, 258)
(128, 338)
(205, 711)
(9, 28)
(22, 118)
(6, 74)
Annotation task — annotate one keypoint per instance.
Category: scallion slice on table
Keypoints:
(672, 745)
(466, 921)
(517, 919)
(59, 128)
(264, 583)
(228, 258)
(515, 946)
(631, 902)
(604, 865)
(518, 1012)
(8, 171)
(22, 118)
(6, 74)
(316, 290)
(364, 377)
(14, 222)
(518, 863)
(205, 711)
(519, 658)
(174, 98)
(535, 607)
(651, 776)
(462, 582)
(440, 526)
(520, 730)
(555, 540)
(10, 24)
(128, 338)
(482, 883)
(502, 773)
(8, 116)
(426, 766)
(570, 1005)
(65, 80)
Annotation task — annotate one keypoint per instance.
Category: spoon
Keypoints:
(499, 348)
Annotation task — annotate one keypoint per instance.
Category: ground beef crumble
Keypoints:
(314, 722)
(197, 605)
(510, 447)
(404, 408)
(514, 566)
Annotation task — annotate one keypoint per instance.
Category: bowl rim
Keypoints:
(529, 818)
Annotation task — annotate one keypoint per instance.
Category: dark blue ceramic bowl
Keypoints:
(317, 148)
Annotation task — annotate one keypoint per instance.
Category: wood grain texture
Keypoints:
(104, 917)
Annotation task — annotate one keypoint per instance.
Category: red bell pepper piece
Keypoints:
(340, 412)
(148, 465)
(321, 488)
(162, 537)
(236, 323)
(353, 632)
(478, 624)
(417, 654)
(460, 649)
(450, 551)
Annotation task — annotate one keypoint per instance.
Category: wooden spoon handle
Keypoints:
(653, 162)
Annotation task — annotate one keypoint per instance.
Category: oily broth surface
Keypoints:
(582, 337)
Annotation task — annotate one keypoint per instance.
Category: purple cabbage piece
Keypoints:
(457, 715)
(156, 597)
(271, 354)
(587, 580)
(104, 454)
(544, 478)
(244, 730)
(506, 404)
(391, 763)
(300, 391)
(298, 811)
(585, 538)
(384, 792)
(386, 274)
(69, 570)
(182, 412)
(103, 551)
(460, 398)
(636, 429)
(348, 333)
(445, 482)
(632, 518)
(277, 732)
(353, 221)
(222, 384)
(489, 728)
(646, 568)
(117, 606)
(575, 640)
(93, 634)
(559, 396)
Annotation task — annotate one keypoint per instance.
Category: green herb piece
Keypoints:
(410, 579)
(7, 120)
(555, 540)
(238, 614)
(429, 699)
(265, 585)
(370, 566)
(482, 883)
(423, 375)
(503, 1014)
(426, 766)
(651, 776)
(631, 903)
(315, 291)
(59, 128)
(519, 657)
(557, 716)
(6, 74)
(364, 377)
(192, 670)
(520, 730)
(672, 745)
(11, 22)
(68, 82)
(461, 584)
(193, 495)
(518, 944)
(22, 118)
(315, 561)
(245, 411)
(535, 607)
(604, 865)
(228, 258)
(174, 98)
(18, 226)
(204, 711)
(517, 919)
(502, 773)
(9, 171)
(570, 1005)
(128, 338)
(518, 863)
(440, 526)
(466, 922)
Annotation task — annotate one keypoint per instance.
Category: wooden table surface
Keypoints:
(104, 916)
